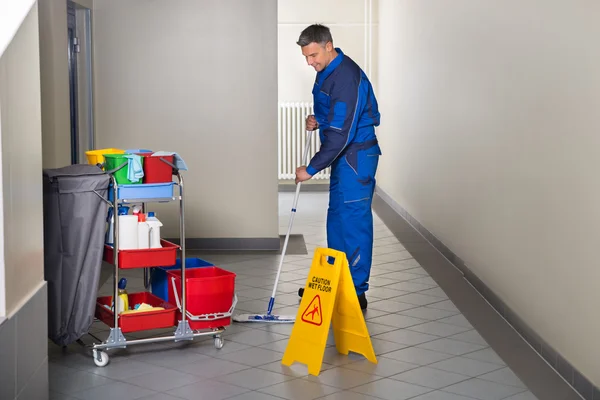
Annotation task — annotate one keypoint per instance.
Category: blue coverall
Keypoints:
(346, 110)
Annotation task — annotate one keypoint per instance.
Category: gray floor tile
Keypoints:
(449, 346)
(71, 381)
(211, 369)
(384, 293)
(438, 329)
(342, 378)
(385, 367)
(409, 286)
(504, 376)
(407, 337)
(114, 390)
(125, 368)
(371, 313)
(207, 390)
(415, 355)
(164, 380)
(170, 357)
(256, 337)
(435, 291)
(59, 396)
(445, 305)
(390, 306)
(397, 320)
(376, 329)
(417, 299)
(425, 280)
(471, 336)
(332, 357)
(253, 357)
(254, 396)
(390, 389)
(383, 346)
(522, 396)
(278, 346)
(487, 355)
(427, 313)
(466, 366)
(160, 396)
(458, 320)
(429, 377)
(299, 389)
(403, 276)
(347, 395)
(253, 378)
(207, 348)
(296, 370)
(484, 390)
(439, 395)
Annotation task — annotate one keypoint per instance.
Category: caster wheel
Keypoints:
(300, 291)
(103, 358)
(218, 342)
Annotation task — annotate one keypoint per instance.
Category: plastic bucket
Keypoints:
(208, 290)
(156, 170)
(97, 156)
(158, 276)
(114, 161)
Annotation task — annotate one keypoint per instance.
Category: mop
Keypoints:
(269, 317)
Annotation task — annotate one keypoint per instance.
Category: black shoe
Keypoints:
(362, 300)
(300, 291)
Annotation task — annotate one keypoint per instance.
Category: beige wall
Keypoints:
(490, 135)
(20, 128)
(56, 124)
(346, 19)
(198, 78)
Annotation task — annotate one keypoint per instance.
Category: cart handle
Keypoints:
(204, 317)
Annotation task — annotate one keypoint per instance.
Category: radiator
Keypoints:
(292, 139)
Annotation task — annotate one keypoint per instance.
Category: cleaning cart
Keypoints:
(164, 313)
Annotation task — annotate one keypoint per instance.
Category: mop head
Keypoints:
(277, 319)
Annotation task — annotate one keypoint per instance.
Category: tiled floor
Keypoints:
(426, 349)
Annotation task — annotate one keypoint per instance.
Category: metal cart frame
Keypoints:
(116, 339)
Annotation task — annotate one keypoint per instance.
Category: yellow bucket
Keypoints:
(97, 156)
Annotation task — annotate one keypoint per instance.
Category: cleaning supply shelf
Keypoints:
(145, 192)
(144, 258)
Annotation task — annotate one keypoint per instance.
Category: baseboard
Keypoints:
(570, 374)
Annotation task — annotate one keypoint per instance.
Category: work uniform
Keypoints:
(346, 110)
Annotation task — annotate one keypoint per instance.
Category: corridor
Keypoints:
(426, 348)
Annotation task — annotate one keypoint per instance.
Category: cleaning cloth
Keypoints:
(177, 160)
(135, 172)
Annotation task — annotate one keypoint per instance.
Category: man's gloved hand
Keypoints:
(311, 123)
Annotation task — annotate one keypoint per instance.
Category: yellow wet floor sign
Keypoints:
(329, 299)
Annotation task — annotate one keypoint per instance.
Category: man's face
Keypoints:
(318, 56)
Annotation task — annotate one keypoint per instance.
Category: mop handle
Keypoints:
(287, 236)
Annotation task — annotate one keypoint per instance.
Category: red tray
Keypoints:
(141, 321)
(161, 257)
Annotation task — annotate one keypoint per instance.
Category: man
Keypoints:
(346, 114)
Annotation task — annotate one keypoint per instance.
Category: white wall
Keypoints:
(490, 135)
(350, 24)
(20, 127)
(199, 78)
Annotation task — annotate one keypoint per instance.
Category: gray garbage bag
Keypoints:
(74, 228)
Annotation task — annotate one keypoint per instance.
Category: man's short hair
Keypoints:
(316, 33)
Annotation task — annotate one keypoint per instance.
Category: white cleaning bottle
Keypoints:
(155, 225)
(143, 232)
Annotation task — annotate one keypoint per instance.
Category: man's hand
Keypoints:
(311, 123)
(302, 175)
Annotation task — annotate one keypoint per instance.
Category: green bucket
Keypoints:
(113, 161)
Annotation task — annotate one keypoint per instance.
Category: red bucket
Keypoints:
(209, 290)
(156, 170)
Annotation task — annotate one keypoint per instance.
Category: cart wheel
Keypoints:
(219, 342)
(103, 358)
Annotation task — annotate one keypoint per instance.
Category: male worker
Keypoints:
(346, 114)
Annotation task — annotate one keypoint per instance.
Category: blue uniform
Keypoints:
(346, 110)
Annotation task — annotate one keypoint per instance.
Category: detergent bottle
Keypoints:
(123, 210)
(143, 232)
(155, 225)
(122, 298)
